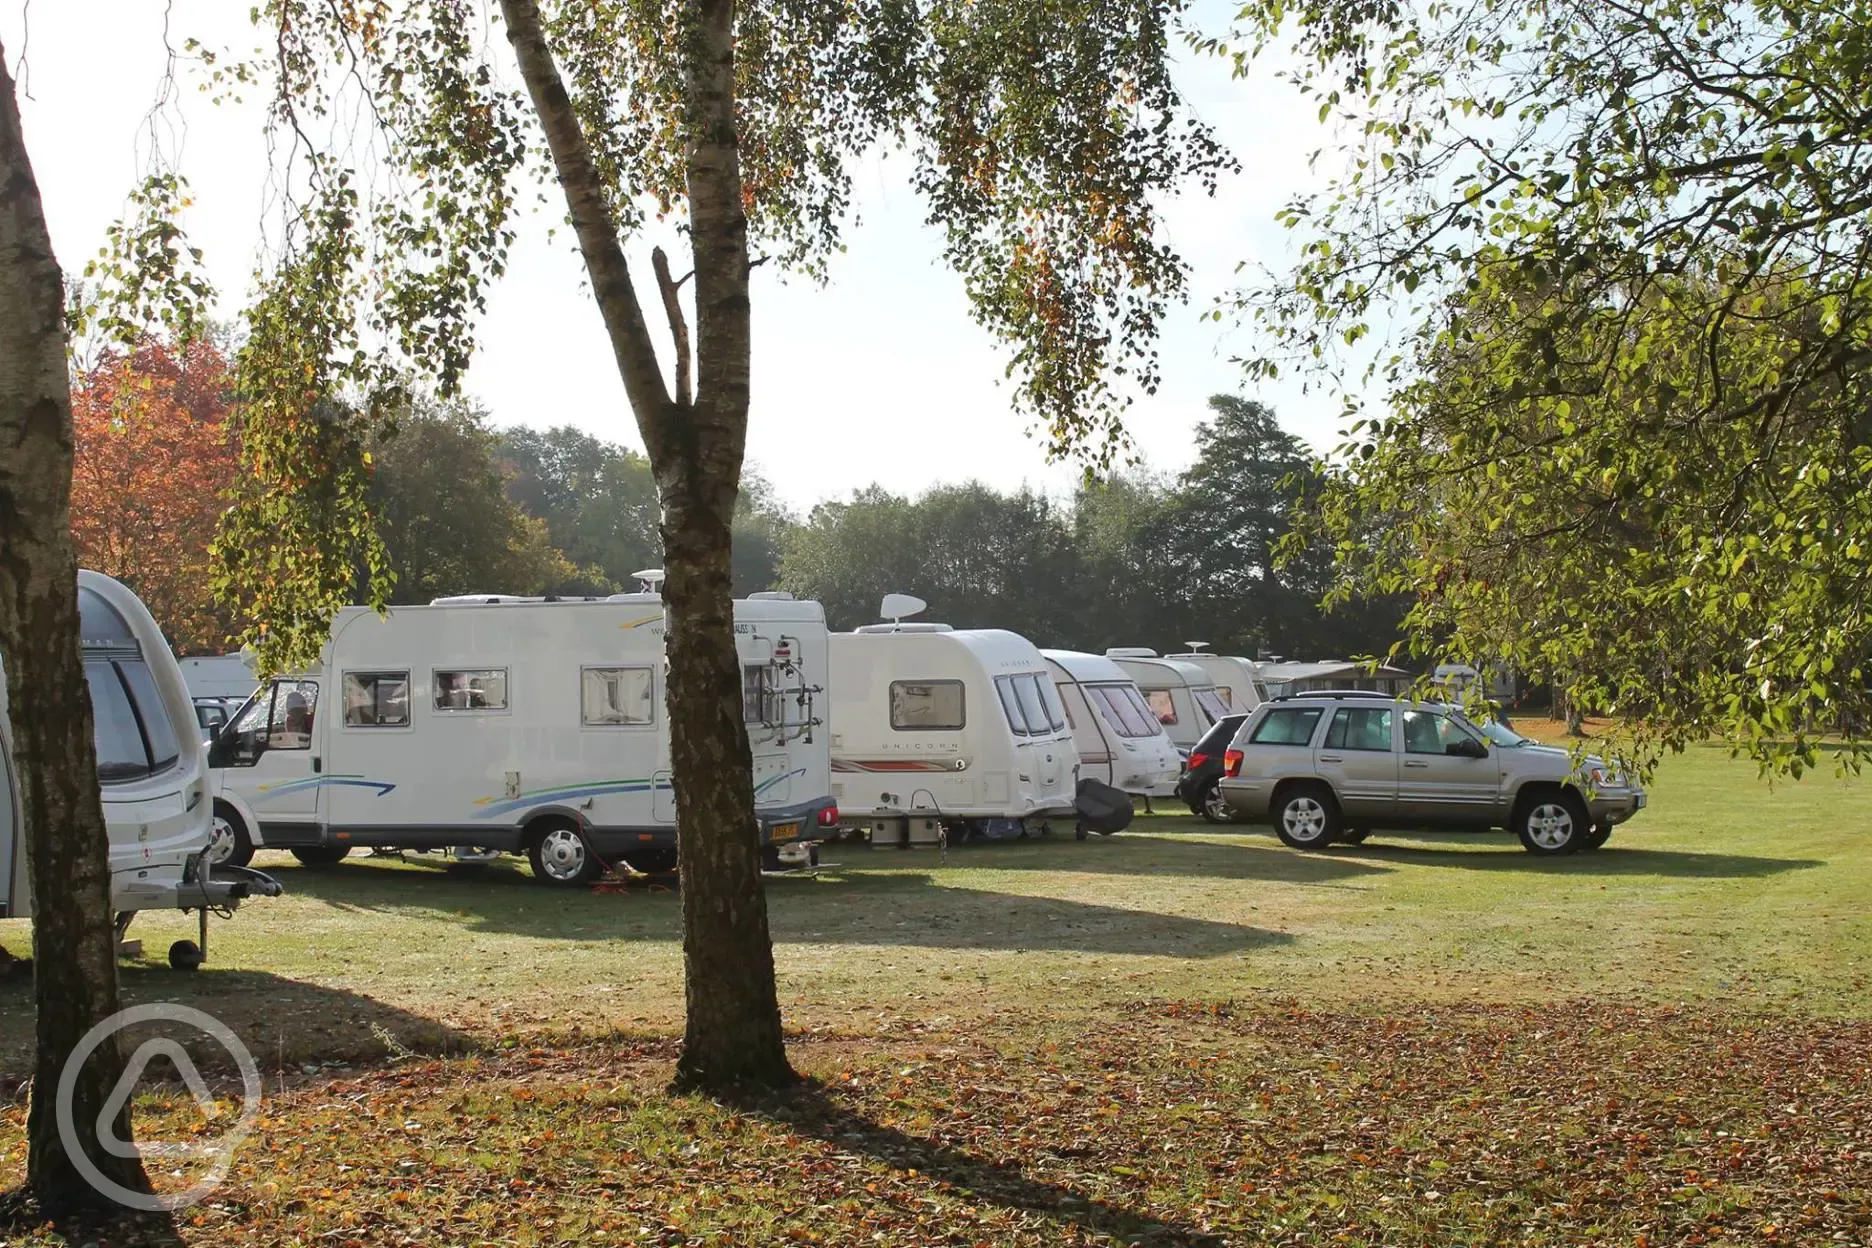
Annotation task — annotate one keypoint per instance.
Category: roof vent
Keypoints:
(914, 626)
(1130, 652)
(771, 595)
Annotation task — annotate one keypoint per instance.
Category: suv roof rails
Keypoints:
(1335, 693)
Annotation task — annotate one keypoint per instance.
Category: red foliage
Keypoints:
(153, 464)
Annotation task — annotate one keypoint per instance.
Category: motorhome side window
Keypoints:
(615, 697)
(1162, 705)
(376, 699)
(289, 725)
(927, 706)
(471, 689)
(1011, 707)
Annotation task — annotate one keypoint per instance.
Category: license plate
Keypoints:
(785, 831)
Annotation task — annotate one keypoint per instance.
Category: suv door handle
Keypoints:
(1413, 763)
(1331, 758)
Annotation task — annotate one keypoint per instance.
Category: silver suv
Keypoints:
(1326, 767)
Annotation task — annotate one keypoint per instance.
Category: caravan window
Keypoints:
(1125, 711)
(927, 706)
(1207, 699)
(374, 700)
(1227, 695)
(471, 689)
(1162, 705)
(1033, 704)
(130, 725)
(1011, 707)
(613, 697)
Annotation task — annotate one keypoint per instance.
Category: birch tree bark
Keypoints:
(68, 853)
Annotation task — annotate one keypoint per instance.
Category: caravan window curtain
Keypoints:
(927, 706)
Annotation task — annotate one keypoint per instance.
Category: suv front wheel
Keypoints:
(1552, 822)
(1306, 817)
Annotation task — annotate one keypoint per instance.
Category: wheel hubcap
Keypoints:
(1550, 826)
(562, 853)
(1304, 819)
(221, 840)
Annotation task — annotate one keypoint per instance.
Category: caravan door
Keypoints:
(273, 759)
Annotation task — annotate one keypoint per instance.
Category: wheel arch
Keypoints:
(242, 811)
(1286, 786)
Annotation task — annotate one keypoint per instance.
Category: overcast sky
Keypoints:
(880, 376)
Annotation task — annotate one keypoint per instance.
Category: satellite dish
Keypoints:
(650, 579)
(896, 606)
(1195, 645)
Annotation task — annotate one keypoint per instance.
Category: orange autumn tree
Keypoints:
(154, 461)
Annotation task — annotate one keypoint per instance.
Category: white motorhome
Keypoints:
(1180, 694)
(939, 731)
(495, 724)
(151, 771)
(1237, 680)
(218, 684)
(1119, 739)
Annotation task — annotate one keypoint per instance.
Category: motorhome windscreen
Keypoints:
(1011, 707)
(1216, 706)
(1125, 711)
(927, 706)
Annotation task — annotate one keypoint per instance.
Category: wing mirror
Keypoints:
(1466, 748)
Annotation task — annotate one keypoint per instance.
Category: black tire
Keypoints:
(1354, 836)
(1597, 837)
(185, 955)
(321, 855)
(230, 830)
(1212, 806)
(1552, 822)
(561, 857)
(1079, 832)
(1306, 817)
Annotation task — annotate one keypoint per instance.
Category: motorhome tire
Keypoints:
(185, 955)
(561, 858)
(1214, 807)
(1551, 821)
(231, 846)
(321, 855)
(1306, 817)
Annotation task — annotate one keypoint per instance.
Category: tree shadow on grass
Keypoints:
(1613, 860)
(20, 1216)
(812, 1111)
(850, 906)
(285, 1023)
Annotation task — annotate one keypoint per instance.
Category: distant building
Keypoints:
(1283, 677)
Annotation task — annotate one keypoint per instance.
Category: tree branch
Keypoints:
(678, 327)
(591, 221)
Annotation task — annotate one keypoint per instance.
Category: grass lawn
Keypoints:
(1180, 1034)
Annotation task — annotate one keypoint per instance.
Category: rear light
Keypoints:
(1197, 760)
(828, 818)
(1231, 764)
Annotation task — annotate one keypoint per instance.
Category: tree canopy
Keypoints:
(1612, 265)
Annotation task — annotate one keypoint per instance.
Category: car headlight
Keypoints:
(1606, 778)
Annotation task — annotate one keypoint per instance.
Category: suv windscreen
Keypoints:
(1499, 733)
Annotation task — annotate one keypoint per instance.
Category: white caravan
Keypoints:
(218, 684)
(1181, 695)
(1237, 680)
(940, 730)
(1120, 741)
(494, 724)
(151, 772)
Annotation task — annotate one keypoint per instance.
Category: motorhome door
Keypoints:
(274, 758)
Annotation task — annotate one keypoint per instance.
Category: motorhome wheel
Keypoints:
(230, 845)
(560, 858)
